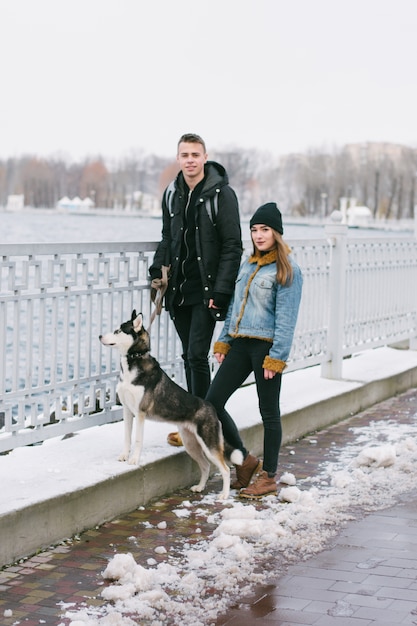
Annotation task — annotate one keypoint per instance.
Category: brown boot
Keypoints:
(245, 472)
(263, 485)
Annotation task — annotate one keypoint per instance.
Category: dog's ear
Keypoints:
(132, 319)
(137, 321)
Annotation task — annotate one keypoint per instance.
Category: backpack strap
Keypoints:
(211, 204)
(169, 195)
(212, 207)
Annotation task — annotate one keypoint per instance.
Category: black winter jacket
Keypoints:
(218, 246)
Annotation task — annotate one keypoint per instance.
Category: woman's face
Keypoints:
(263, 237)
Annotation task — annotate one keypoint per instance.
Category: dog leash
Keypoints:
(158, 289)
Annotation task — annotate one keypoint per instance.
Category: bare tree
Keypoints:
(95, 183)
(381, 176)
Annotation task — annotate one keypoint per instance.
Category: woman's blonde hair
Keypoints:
(284, 267)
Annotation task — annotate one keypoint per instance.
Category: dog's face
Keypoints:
(130, 333)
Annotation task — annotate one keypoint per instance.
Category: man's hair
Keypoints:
(192, 138)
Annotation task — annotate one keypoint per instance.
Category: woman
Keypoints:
(256, 337)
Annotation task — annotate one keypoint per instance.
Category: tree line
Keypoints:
(381, 176)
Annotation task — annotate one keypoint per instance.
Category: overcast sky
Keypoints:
(83, 77)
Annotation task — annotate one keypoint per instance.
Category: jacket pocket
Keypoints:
(262, 288)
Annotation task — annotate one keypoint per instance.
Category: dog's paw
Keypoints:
(222, 497)
(197, 488)
(123, 457)
(134, 459)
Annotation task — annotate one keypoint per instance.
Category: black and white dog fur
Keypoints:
(145, 390)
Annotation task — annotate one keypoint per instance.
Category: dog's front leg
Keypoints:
(137, 450)
(128, 423)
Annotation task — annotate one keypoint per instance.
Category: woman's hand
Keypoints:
(268, 374)
(219, 357)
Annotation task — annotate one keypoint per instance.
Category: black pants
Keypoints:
(195, 327)
(244, 357)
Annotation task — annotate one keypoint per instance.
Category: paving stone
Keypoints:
(366, 576)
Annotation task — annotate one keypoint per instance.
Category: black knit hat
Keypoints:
(270, 215)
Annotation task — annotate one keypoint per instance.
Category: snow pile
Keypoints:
(195, 587)
(382, 456)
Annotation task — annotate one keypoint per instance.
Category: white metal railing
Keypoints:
(55, 300)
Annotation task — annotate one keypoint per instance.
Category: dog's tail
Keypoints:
(232, 454)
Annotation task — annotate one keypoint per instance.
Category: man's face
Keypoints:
(191, 158)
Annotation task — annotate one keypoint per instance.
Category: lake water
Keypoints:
(51, 226)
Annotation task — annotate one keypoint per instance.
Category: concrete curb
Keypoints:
(37, 526)
(31, 528)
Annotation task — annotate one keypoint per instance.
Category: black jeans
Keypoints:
(195, 327)
(244, 357)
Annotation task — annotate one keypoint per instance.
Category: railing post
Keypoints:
(413, 340)
(336, 234)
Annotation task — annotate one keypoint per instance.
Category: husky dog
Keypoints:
(145, 390)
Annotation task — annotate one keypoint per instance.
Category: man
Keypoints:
(202, 244)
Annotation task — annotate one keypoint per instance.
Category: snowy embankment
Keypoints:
(195, 587)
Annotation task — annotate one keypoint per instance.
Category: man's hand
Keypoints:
(156, 283)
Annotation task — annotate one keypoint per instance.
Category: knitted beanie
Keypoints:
(270, 215)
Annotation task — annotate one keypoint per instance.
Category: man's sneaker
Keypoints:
(245, 472)
(263, 485)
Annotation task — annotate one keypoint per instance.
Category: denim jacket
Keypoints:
(261, 308)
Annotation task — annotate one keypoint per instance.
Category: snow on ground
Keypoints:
(196, 587)
(60, 465)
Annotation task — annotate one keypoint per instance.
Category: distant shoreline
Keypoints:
(405, 225)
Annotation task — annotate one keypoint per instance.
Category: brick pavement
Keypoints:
(367, 575)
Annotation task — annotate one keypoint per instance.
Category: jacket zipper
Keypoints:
(186, 247)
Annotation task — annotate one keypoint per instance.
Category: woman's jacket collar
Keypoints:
(263, 259)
